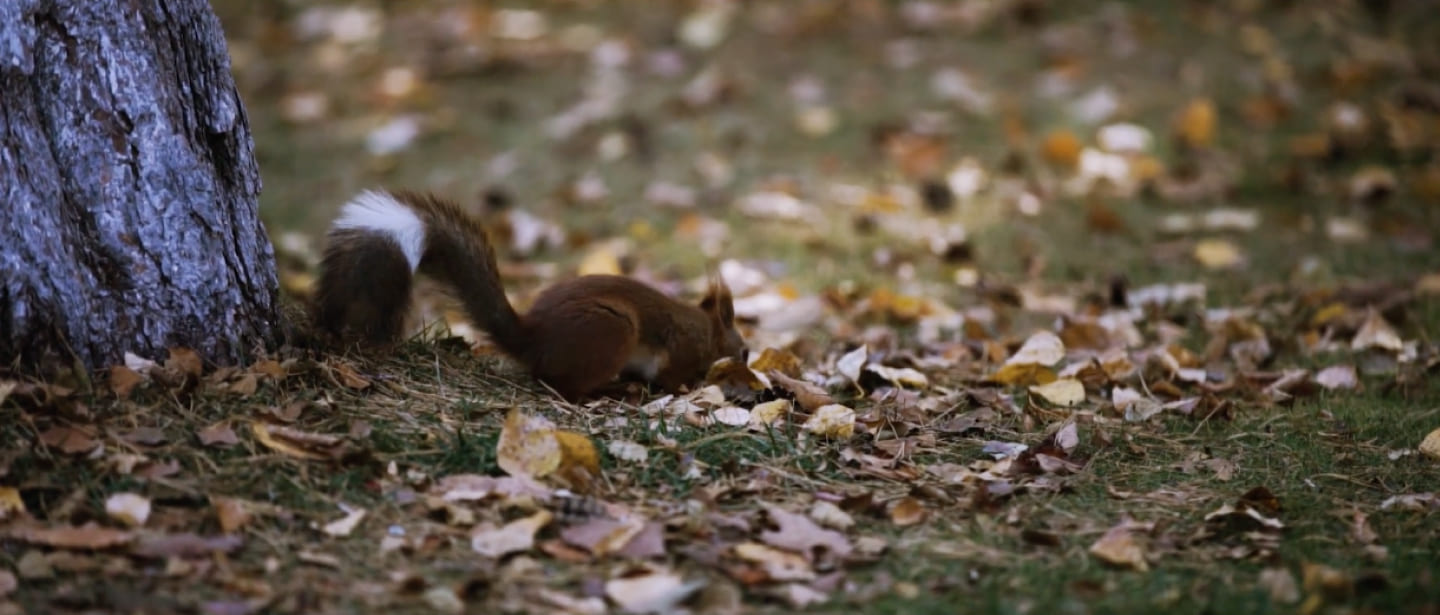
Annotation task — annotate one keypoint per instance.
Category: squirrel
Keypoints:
(580, 335)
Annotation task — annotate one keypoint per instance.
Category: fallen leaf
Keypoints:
(796, 532)
(1218, 254)
(1119, 547)
(129, 509)
(1337, 377)
(769, 413)
(343, 526)
(1376, 333)
(528, 446)
(443, 599)
(8, 583)
(123, 380)
(348, 377)
(232, 513)
(656, 590)
(11, 506)
(852, 362)
(901, 376)
(1042, 348)
(1195, 124)
(69, 440)
(772, 359)
(517, 535)
(778, 565)
(828, 514)
(578, 459)
(165, 546)
(1280, 584)
(603, 536)
(809, 396)
(832, 421)
(907, 511)
(245, 386)
(1430, 446)
(278, 439)
(88, 536)
(1062, 148)
(625, 450)
(1062, 392)
(731, 415)
(219, 434)
(186, 361)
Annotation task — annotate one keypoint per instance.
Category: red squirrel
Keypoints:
(580, 336)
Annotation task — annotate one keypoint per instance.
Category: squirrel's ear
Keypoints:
(720, 301)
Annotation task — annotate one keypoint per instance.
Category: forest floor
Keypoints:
(1071, 307)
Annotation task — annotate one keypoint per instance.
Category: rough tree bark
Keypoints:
(129, 218)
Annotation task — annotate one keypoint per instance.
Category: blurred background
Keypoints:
(913, 153)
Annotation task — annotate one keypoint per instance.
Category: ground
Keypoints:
(1073, 307)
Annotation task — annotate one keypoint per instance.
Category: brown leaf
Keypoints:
(185, 545)
(11, 506)
(796, 532)
(907, 511)
(782, 361)
(245, 386)
(602, 536)
(219, 434)
(269, 368)
(1119, 547)
(70, 440)
(297, 443)
(528, 446)
(778, 565)
(185, 360)
(232, 513)
(810, 397)
(8, 583)
(123, 380)
(88, 536)
(349, 377)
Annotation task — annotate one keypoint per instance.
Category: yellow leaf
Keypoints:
(577, 453)
(833, 420)
(262, 433)
(1119, 547)
(528, 446)
(1062, 148)
(782, 361)
(601, 261)
(11, 505)
(1023, 374)
(1218, 254)
(1195, 126)
(1431, 445)
(1063, 392)
(1042, 348)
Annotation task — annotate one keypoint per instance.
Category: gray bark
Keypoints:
(129, 219)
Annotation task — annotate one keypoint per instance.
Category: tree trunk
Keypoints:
(129, 218)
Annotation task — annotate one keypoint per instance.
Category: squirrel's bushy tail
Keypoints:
(375, 246)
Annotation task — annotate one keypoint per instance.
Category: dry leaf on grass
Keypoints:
(343, 526)
(528, 446)
(653, 590)
(219, 434)
(809, 396)
(1430, 446)
(832, 421)
(130, 509)
(11, 506)
(297, 443)
(233, 514)
(796, 532)
(518, 535)
(1062, 392)
(777, 564)
(88, 536)
(1120, 547)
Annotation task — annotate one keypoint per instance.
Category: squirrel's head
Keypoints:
(720, 306)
